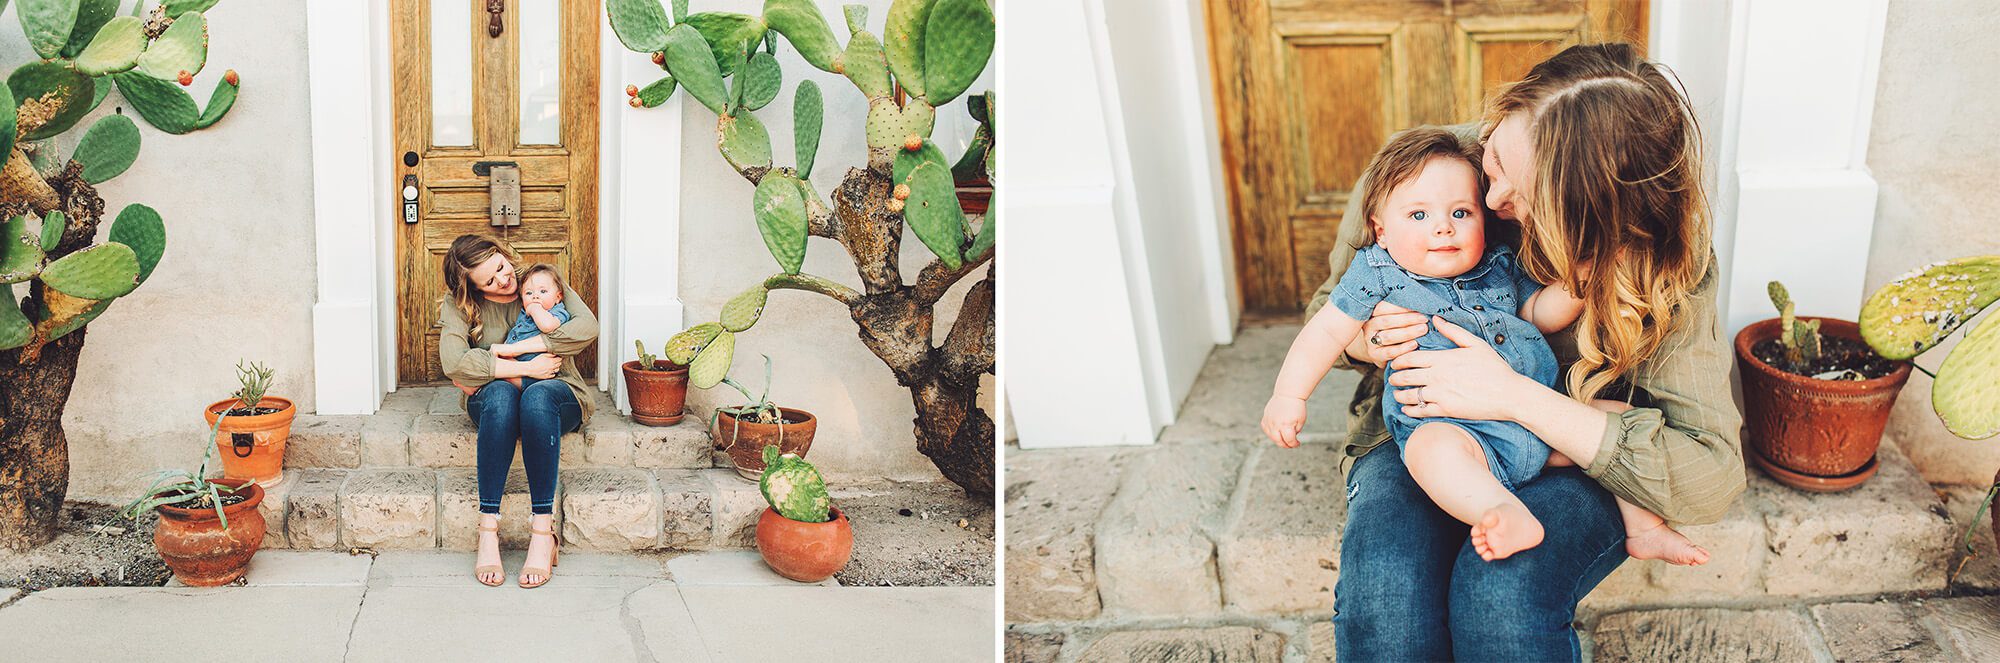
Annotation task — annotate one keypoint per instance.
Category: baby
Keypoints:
(1429, 255)
(542, 309)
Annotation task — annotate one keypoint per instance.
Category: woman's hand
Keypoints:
(1471, 381)
(542, 367)
(505, 350)
(1387, 334)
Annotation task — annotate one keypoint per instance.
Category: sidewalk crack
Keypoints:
(348, 650)
(633, 628)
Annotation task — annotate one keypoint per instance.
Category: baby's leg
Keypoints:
(1647, 536)
(1451, 467)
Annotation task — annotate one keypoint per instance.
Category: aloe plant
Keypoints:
(930, 51)
(1917, 311)
(52, 212)
(188, 490)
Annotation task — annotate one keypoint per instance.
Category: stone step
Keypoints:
(596, 508)
(1213, 529)
(426, 427)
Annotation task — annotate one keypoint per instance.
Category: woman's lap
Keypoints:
(500, 401)
(1411, 587)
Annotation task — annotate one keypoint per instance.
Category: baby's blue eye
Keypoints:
(1419, 216)
(1460, 214)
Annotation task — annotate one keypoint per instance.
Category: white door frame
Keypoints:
(355, 315)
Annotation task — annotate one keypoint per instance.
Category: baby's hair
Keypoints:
(1403, 159)
(543, 268)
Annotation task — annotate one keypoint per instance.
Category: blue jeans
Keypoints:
(537, 413)
(1411, 587)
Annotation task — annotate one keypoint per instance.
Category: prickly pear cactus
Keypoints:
(743, 310)
(1800, 339)
(1918, 310)
(683, 347)
(712, 365)
(794, 488)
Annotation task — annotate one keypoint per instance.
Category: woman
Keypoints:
(1596, 154)
(482, 276)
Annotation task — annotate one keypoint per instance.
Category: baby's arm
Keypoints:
(1551, 308)
(1326, 335)
(544, 320)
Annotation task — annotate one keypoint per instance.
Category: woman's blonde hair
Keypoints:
(1617, 183)
(466, 253)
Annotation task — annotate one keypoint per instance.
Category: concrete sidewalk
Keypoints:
(422, 605)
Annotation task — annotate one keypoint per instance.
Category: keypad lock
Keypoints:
(409, 199)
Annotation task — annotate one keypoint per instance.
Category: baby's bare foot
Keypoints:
(1663, 543)
(1505, 530)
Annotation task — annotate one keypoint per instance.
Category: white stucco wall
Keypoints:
(1935, 149)
(820, 365)
(237, 278)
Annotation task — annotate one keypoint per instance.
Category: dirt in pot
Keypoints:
(1837, 356)
(204, 502)
(252, 411)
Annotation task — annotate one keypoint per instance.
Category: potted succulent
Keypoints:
(1918, 310)
(209, 528)
(973, 174)
(252, 440)
(744, 430)
(1815, 398)
(656, 388)
(800, 534)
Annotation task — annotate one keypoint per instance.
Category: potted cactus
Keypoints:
(252, 441)
(50, 238)
(209, 528)
(928, 55)
(657, 389)
(1918, 310)
(801, 535)
(1815, 403)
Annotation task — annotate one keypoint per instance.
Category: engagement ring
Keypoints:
(1375, 338)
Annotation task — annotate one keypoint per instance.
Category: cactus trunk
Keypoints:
(34, 454)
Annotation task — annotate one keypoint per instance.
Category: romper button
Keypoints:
(1499, 338)
(1477, 307)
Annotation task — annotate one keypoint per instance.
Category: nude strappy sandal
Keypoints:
(500, 574)
(547, 573)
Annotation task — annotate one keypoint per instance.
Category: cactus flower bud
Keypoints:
(902, 192)
(636, 103)
(895, 205)
(913, 143)
(231, 77)
(660, 58)
(185, 78)
(631, 90)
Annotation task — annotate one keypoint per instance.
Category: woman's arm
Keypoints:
(573, 336)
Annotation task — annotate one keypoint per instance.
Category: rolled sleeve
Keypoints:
(464, 364)
(576, 334)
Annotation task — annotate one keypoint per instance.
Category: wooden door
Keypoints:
(1309, 89)
(465, 96)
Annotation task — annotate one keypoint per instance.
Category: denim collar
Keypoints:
(1379, 257)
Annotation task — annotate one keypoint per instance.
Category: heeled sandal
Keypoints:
(548, 572)
(499, 573)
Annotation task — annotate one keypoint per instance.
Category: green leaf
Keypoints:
(857, 17)
(1964, 394)
(65, 91)
(692, 63)
(178, 7)
(907, 161)
(108, 148)
(958, 42)
(140, 227)
(761, 81)
(806, 121)
(889, 126)
(744, 140)
(99, 272)
(90, 16)
(988, 234)
(712, 364)
(727, 34)
(680, 11)
(903, 42)
(780, 206)
(183, 47)
(20, 254)
(742, 311)
(219, 103)
(1918, 310)
(48, 24)
(802, 24)
(640, 24)
(15, 329)
(933, 213)
(657, 93)
(8, 119)
(866, 67)
(683, 347)
(53, 226)
(116, 47)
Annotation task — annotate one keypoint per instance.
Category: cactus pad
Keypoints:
(857, 17)
(91, 15)
(958, 42)
(903, 41)
(116, 47)
(805, 27)
(15, 329)
(693, 64)
(178, 7)
(712, 364)
(933, 212)
(8, 126)
(780, 207)
(169, 108)
(728, 34)
(680, 11)
(53, 226)
(183, 47)
(907, 161)
(888, 125)
(640, 24)
(988, 234)
(1919, 309)
(47, 24)
(866, 67)
(743, 310)
(104, 271)
(20, 254)
(657, 93)
(744, 140)
(139, 227)
(50, 98)
(108, 148)
(807, 108)
(761, 81)
(683, 347)
(62, 314)
(794, 487)
(1966, 394)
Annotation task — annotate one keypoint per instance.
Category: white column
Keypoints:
(1802, 96)
(640, 219)
(348, 208)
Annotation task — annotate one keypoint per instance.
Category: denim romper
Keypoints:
(1485, 301)
(524, 328)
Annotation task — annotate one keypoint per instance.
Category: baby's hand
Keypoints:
(1284, 417)
(533, 306)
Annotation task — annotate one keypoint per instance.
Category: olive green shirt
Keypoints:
(1676, 452)
(471, 364)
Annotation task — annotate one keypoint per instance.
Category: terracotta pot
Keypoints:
(657, 395)
(806, 552)
(746, 442)
(193, 543)
(253, 447)
(1812, 434)
(975, 199)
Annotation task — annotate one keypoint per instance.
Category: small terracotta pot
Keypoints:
(201, 553)
(806, 552)
(975, 199)
(657, 396)
(1811, 434)
(253, 447)
(745, 442)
